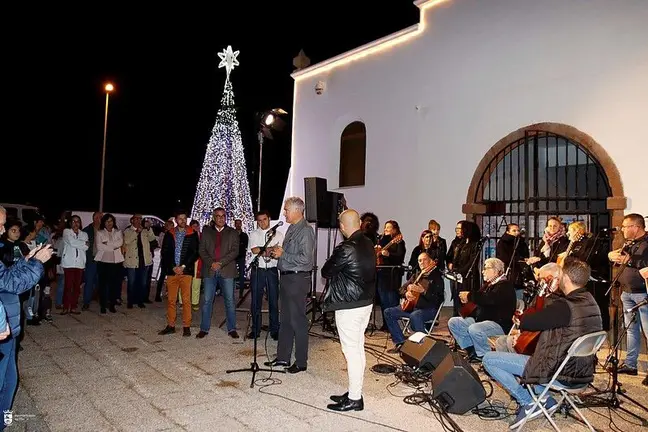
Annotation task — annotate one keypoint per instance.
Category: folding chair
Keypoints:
(584, 346)
(406, 323)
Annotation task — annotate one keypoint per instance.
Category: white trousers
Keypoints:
(351, 325)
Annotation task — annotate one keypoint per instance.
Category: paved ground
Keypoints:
(114, 373)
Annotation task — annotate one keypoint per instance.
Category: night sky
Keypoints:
(164, 64)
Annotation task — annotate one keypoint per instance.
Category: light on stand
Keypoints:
(270, 121)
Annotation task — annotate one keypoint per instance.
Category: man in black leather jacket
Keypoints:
(351, 274)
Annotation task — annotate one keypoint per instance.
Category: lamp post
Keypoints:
(269, 120)
(108, 88)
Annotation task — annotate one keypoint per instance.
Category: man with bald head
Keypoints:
(351, 274)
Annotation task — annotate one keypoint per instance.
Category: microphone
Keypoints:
(612, 229)
(637, 306)
(274, 228)
(486, 237)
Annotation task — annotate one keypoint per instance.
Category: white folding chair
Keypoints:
(431, 323)
(584, 346)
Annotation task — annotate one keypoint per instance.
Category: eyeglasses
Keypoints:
(627, 226)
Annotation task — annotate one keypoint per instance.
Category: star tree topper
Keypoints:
(228, 59)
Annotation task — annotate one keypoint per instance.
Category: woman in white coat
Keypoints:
(109, 257)
(75, 245)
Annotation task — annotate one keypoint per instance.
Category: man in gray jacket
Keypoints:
(295, 267)
(219, 247)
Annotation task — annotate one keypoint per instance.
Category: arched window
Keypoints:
(353, 155)
(538, 176)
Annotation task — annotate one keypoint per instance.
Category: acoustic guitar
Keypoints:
(409, 305)
(527, 340)
(380, 259)
(560, 259)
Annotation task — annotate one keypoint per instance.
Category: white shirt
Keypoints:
(258, 238)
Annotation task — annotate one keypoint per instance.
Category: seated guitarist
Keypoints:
(562, 322)
(495, 301)
(430, 288)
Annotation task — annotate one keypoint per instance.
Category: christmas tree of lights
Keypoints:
(223, 180)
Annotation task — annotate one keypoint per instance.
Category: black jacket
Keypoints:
(351, 274)
(188, 253)
(496, 303)
(562, 322)
(505, 252)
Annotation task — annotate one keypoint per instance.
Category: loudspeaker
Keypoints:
(336, 201)
(456, 385)
(316, 200)
(427, 354)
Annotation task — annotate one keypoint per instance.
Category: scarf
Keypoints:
(550, 239)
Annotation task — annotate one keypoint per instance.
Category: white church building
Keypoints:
(495, 111)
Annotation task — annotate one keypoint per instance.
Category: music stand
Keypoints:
(254, 366)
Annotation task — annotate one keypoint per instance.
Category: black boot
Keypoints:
(470, 352)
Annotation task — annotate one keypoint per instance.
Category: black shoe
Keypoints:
(141, 305)
(167, 330)
(341, 398)
(296, 369)
(85, 307)
(276, 363)
(186, 331)
(158, 299)
(148, 301)
(274, 336)
(645, 381)
(233, 334)
(470, 352)
(201, 334)
(112, 309)
(128, 306)
(625, 369)
(103, 310)
(347, 405)
(252, 335)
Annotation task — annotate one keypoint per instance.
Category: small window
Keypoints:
(353, 154)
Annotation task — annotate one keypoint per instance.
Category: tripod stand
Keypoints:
(615, 390)
(254, 366)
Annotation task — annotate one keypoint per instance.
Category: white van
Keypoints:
(24, 213)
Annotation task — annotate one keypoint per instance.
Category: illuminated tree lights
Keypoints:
(223, 180)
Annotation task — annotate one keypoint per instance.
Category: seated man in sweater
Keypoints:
(495, 305)
(562, 322)
(430, 288)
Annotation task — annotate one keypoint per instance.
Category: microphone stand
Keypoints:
(515, 246)
(615, 389)
(480, 246)
(254, 366)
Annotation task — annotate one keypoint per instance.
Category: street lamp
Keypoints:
(108, 88)
(269, 121)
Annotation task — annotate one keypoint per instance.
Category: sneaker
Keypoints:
(550, 405)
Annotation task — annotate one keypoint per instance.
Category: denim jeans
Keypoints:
(467, 333)
(137, 284)
(91, 280)
(417, 318)
(630, 300)
(504, 368)
(60, 289)
(226, 286)
(386, 294)
(8, 374)
(268, 279)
